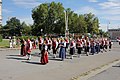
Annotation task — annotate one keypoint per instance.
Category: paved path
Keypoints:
(14, 67)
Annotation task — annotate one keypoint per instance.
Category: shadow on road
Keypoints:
(116, 66)
(55, 59)
(16, 58)
(14, 55)
(36, 63)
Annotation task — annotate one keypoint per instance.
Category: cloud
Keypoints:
(6, 11)
(103, 27)
(26, 3)
(86, 9)
(112, 18)
(114, 0)
(92, 0)
(109, 4)
(110, 26)
(27, 20)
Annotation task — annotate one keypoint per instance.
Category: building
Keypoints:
(0, 11)
(114, 33)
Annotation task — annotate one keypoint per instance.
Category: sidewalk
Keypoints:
(17, 68)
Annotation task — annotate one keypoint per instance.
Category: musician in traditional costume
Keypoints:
(54, 47)
(97, 46)
(23, 47)
(34, 44)
(79, 46)
(40, 43)
(44, 54)
(92, 47)
(110, 45)
(67, 44)
(87, 47)
(106, 44)
(72, 48)
(29, 48)
(102, 43)
(49, 44)
(62, 53)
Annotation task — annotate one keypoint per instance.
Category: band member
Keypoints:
(110, 45)
(72, 48)
(44, 52)
(23, 47)
(97, 46)
(79, 47)
(34, 44)
(67, 44)
(92, 47)
(87, 47)
(49, 44)
(54, 47)
(102, 43)
(29, 48)
(77, 41)
(62, 53)
(40, 42)
(106, 45)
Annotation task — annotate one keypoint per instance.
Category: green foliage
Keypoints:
(13, 26)
(26, 37)
(26, 30)
(0, 38)
(49, 17)
(92, 23)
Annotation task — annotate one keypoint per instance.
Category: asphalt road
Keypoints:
(112, 73)
(15, 67)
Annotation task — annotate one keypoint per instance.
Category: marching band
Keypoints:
(64, 46)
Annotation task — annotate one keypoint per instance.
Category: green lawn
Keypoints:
(4, 43)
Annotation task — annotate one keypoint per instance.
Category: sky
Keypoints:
(108, 11)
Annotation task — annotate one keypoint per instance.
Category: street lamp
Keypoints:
(41, 31)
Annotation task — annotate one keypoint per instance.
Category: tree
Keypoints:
(49, 17)
(92, 23)
(26, 30)
(13, 27)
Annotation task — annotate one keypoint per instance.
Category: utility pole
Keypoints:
(108, 26)
(66, 24)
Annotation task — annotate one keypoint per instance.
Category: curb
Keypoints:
(95, 71)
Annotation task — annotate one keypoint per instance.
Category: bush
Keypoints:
(26, 37)
(0, 38)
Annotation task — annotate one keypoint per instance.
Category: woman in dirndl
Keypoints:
(44, 54)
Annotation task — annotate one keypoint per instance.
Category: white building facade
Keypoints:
(114, 33)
